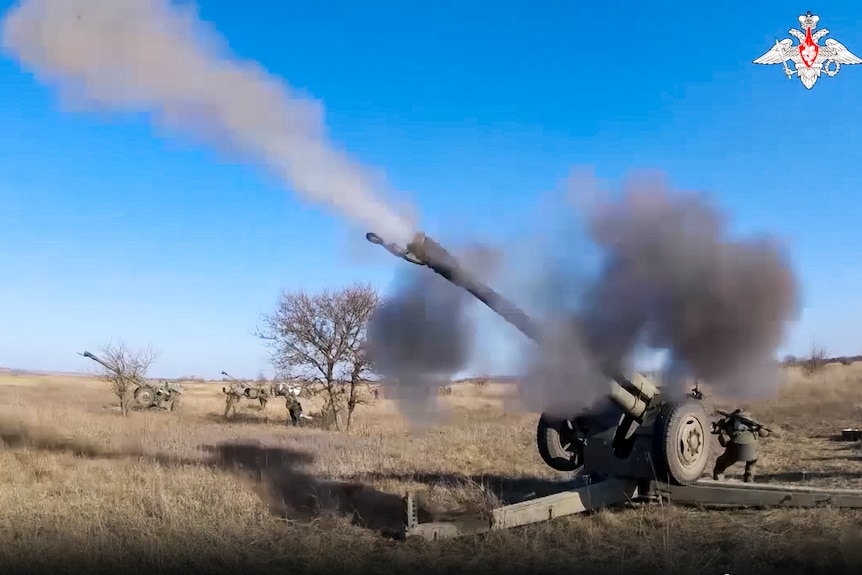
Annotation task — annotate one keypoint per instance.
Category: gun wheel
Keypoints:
(144, 396)
(682, 442)
(559, 445)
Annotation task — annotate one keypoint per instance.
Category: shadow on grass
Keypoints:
(38, 438)
(253, 417)
(278, 478)
(294, 494)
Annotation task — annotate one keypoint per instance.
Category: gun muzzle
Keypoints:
(395, 249)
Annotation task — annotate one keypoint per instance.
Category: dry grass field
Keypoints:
(82, 487)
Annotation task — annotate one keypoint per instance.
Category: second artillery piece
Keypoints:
(262, 392)
(242, 389)
(147, 394)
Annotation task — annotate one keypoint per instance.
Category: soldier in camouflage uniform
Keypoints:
(294, 408)
(738, 433)
(233, 395)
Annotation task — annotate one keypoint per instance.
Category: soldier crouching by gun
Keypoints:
(738, 433)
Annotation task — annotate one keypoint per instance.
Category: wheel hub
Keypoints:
(691, 441)
(567, 437)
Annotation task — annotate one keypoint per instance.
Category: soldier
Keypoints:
(231, 399)
(294, 408)
(738, 433)
(263, 396)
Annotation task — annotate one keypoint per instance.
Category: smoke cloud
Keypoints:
(673, 276)
(669, 277)
(149, 56)
(424, 334)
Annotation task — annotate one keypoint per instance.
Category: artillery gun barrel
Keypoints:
(113, 368)
(105, 364)
(629, 396)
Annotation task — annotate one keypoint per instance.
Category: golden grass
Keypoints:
(79, 483)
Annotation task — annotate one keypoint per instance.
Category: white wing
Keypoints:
(835, 50)
(780, 52)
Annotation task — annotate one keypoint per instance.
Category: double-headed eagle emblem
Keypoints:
(808, 57)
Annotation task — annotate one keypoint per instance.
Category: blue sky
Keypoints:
(109, 230)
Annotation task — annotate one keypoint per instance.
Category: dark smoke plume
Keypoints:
(674, 277)
(423, 334)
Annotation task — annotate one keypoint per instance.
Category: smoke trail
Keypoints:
(149, 56)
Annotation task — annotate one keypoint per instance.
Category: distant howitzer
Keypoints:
(242, 389)
(147, 394)
(639, 434)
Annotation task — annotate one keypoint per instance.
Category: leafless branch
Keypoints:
(319, 338)
(126, 369)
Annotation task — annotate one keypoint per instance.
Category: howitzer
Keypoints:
(147, 394)
(639, 435)
(245, 389)
(239, 389)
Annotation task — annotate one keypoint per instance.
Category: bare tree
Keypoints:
(815, 362)
(320, 338)
(125, 369)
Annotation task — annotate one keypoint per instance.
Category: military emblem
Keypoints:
(808, 57)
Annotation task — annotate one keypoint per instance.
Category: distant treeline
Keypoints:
(793, 361)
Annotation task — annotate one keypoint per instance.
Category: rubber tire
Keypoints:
(548, 434)
(251, 393)
(145, 396)
(668, 466)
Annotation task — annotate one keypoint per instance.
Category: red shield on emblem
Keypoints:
(808, 50)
